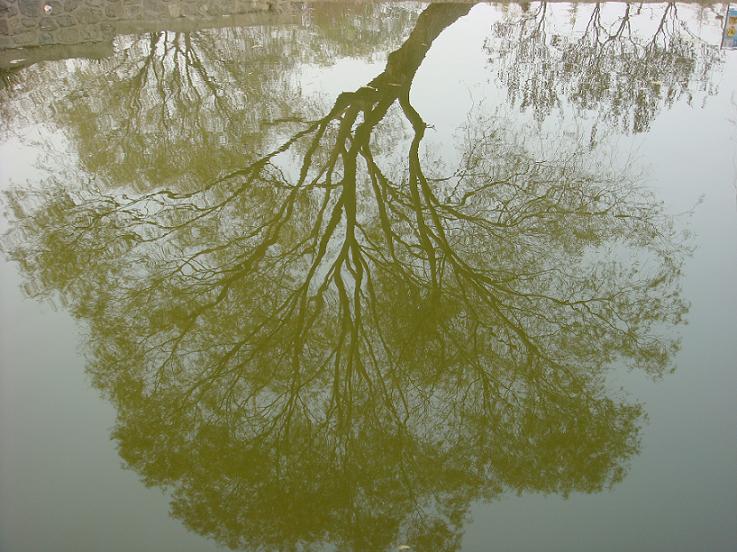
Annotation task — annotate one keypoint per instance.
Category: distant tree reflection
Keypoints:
(327, 345)
(624, 73)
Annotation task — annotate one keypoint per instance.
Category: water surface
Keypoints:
(375, 276)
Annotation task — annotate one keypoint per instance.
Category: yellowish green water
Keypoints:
(393, 277)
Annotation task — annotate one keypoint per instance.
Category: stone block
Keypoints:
(131, 11)
(14, 25)
(31, 8)
(221, 7)
(89, 16)
(68, 36)
(47, 24)
(8, 9)
(46, 38)
(90, 35)
(152, 10)
(71, 5)
(27, 38)
(114, 11)
(65, 20)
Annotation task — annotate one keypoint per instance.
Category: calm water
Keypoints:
(375, 277)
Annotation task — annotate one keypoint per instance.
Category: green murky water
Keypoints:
(384, 277)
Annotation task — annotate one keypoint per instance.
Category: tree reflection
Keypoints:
(336, 343)
(614, 67)
(177, 108)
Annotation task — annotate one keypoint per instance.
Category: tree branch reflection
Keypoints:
(614, 66)
(326, 346)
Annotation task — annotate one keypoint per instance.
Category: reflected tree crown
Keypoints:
(340, 344)
(175, 109)
(611, 60)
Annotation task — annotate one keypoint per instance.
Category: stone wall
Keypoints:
(26, 23)
(34, 30)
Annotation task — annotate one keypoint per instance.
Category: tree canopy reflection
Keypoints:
(177, 108)
(619, 65)
(336, 343)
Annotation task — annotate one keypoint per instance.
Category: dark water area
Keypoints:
(372, 276)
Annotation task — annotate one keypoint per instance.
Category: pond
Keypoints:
(369, 276)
